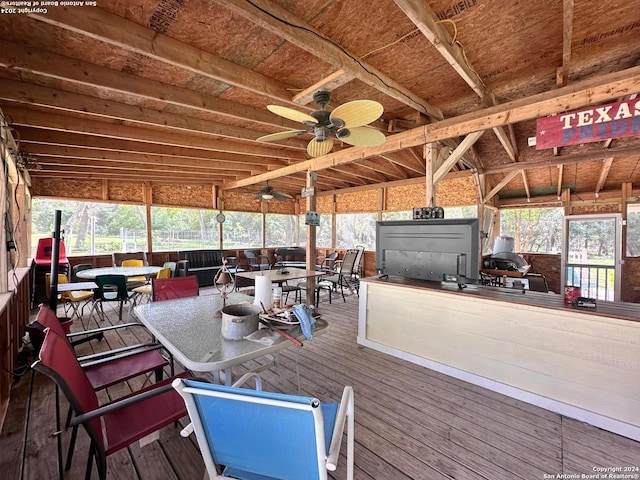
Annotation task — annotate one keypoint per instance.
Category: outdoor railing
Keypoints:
(595, 281)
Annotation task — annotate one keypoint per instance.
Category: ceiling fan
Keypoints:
(346, 123)
(267, 193)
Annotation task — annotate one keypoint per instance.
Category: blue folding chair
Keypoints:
(264, 435)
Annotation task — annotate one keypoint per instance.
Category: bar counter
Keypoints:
(579, 362)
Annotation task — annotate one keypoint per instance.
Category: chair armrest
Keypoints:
(115, 354)
(125, 402)
(244, 378)
(104, 329)
(345, 410)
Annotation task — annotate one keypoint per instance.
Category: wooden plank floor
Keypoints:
(411, 422)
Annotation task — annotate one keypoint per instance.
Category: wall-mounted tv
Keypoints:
(445, 250)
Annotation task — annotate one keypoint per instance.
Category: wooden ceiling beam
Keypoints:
(553, 161)
(579, 94)
(275, 19)
(122, 174)
(567, 34)
(427, 22)
(456, 155)
(122, 33)
(329, 83)
(501, 184)
(414, 164)
(37, 141)
(31, 94)
(604, 173)
(386, 168)
(72, 124)
(560, 175)
(140, 166)
(22, 59)
(526, 183)
(43, 151)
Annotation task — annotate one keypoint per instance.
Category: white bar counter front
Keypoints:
(581, 363)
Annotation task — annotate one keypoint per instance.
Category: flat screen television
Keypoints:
(446, 250)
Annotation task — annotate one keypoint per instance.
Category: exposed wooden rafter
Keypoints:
(604, 172)
(106, 27)
(280, 21)
(586, 92)
(425, 19)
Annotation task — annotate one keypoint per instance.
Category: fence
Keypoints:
(595, 281)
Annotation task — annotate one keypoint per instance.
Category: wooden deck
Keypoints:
(411, 423)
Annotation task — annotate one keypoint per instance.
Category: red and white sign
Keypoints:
(594, 124)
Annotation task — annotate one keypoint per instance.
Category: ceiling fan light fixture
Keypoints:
(267, 196)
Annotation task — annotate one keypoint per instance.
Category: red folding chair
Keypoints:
(175, 287)
(113, 426)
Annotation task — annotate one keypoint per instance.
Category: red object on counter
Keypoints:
(571, 292)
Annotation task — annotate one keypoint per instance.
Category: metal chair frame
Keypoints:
(256, 434)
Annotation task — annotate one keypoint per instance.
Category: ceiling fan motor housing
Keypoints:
(322, 97)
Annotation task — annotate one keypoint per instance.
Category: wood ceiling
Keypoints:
(175, 90)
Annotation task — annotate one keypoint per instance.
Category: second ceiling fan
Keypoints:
(346, 123)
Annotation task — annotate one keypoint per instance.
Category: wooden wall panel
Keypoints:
(405, 197)
(84, 190)
(240, 202)
(455, 192)
(284, 206)
(595, 208)
(324, 204)
(126, 191)
(198, 196)
(630, 291)
(547, 265)
(356, 202)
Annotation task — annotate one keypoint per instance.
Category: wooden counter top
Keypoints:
(619, 310)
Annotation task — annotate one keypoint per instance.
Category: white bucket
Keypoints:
(238, 321)
(504, 244)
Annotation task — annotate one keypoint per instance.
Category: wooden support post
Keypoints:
(626, 191)
(146, 195)
(430, 154)
(311, 239)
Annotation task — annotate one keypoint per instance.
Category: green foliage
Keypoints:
(535, 230)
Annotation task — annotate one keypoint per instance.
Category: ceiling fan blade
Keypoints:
(291, 114)
(317, 149)
(357, 113)
(279, 136)
(363, 136)
(280, 195)
(258, 197)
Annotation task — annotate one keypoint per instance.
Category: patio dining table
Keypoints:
(281, 275)
(92, 273)
(189, 329)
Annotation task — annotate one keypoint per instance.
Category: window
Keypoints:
(466, 211)
(280, 230)
(401, 215)
(183, 229)
(535, 230)
(633, 230)
(323, 232)
(91, 228)
(356, 229)
(242, 230)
